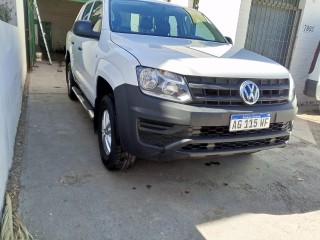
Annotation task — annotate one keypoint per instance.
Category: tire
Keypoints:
(113, 156)
(70, 82)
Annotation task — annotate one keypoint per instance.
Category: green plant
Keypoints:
(5, 12)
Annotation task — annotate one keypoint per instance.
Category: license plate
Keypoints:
(242, 122)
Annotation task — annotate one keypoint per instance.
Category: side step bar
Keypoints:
(84, 101)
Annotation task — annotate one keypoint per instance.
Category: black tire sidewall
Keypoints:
(108, 160)
(70, 82)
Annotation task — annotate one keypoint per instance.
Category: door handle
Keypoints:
(80, 48)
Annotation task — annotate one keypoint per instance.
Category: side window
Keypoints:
(134, 23)
(86, 12)
(96, 16)
(173, 26)
(203, 31)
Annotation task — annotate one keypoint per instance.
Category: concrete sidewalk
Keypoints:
(66, 193)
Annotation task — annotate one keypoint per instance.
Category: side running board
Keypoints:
(84, 101)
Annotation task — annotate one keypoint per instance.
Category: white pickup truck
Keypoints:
(161, 82)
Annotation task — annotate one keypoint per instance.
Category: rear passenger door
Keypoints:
(89, 51)
(77, 43)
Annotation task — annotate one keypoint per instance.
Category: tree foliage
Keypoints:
(5, 12)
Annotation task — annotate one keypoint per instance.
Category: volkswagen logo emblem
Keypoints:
(249, 92)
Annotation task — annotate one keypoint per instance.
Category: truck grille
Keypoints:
(225, 91)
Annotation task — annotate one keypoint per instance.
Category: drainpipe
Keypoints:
(27, 32)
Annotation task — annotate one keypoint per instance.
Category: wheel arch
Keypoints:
(103, 88)
(68, 60)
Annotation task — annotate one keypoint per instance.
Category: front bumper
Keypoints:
(156, 129)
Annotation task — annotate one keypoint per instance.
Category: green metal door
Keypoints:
(47, 28)
(31, 34)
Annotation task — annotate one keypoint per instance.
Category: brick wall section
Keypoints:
(61, 13)
(305, 46)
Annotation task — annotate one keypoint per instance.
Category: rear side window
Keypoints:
(86, 12)
(96, 16)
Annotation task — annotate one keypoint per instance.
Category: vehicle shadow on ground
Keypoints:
(65, 186)
(192, 192)
(223, 187)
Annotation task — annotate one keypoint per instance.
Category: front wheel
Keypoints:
(113, 156)
(70, 83)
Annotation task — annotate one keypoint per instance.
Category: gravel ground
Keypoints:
(13, 187)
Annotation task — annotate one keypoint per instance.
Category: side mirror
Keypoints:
(229, 40)
(83, 28)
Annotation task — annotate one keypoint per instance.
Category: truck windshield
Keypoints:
(158, 19)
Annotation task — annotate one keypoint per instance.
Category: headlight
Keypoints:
(292, 90)
(163, 84)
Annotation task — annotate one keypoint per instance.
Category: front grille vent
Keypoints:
(225, 91)
(229, 146)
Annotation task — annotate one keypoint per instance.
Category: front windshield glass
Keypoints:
(157, 19)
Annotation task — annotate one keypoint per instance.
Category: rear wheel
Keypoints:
(70, 82)
(113, 156)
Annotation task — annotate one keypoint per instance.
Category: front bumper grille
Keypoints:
(229, 146)
(225, 91)
(223, 131)
(162, 134)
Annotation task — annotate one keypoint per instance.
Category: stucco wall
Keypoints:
(184, 3)
(242, 25)
(12, 77)
(305, 46)
(223, 14)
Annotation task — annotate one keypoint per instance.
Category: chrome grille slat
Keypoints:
(210, 99)
(236, 87)
(225, 91)
(214, 86)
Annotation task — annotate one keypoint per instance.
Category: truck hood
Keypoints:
(198, 58)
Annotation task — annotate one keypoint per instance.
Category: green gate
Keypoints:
(47, 28)
(31, 34)
(272, 29)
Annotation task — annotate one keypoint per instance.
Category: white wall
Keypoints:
(305, 46)
(184, 3)
(224, 14)
(243, 21)
(12, 77)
